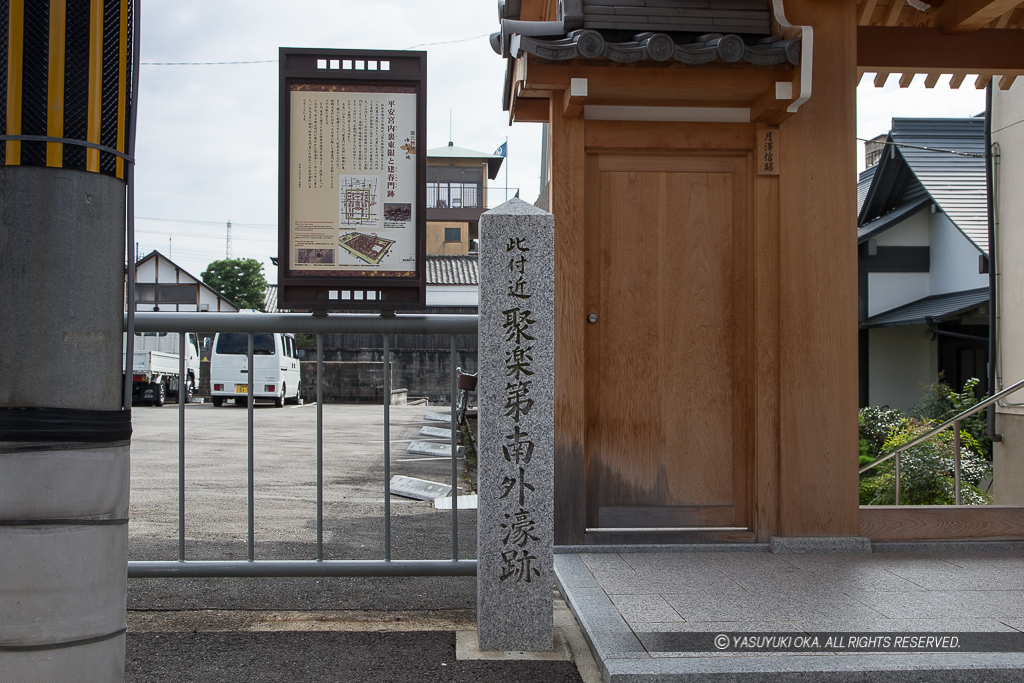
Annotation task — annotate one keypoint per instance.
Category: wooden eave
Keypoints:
(647, 84)
(959, 38)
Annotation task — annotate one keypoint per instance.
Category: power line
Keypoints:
(187, 220)
(976, 155)
(274, 61)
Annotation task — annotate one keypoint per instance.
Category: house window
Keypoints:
(453, 234)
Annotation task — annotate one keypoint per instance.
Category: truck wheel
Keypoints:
(159, 394)
(190, 389)
(217, 401)
(279, 400)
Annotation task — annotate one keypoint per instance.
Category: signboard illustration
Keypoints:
(353, 204)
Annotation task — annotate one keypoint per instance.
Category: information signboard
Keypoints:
(352, 180)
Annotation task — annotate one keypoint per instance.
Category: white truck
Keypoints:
(156, 367)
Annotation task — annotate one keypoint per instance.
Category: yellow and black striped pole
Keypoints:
(65, 75)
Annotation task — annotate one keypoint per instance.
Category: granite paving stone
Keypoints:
(920, 589)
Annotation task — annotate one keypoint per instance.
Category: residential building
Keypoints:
(457, 193)
(922, 260)
(163, 285)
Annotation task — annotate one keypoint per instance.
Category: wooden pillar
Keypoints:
(567, 156)
(765, 435)
(818, 493)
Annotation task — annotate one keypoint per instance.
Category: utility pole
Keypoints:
(227, 250)
(66, 166)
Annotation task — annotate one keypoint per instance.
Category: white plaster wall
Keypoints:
(954, 258)
(1008, 131)
(453, 295)
(889, 290)
(901, 361)
(911, 232)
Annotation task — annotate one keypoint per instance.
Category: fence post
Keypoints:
(515, 519)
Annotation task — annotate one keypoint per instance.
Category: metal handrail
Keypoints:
(248, 323)
(955, 423)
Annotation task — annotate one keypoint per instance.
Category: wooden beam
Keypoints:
(906, 78)
(965, 16)
(957, 80)
(880, 78)
(921, 49)
(634, 84)
(893, 16)
(1006, 81)
(931, 79)
(982, 81)
(666, 135)
(866, 10)
(1005, 19)
(527, 110)
(567, 156)
(941, 522)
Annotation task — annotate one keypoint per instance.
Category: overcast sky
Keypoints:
(207, 134)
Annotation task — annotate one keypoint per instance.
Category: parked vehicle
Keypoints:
(275, 368)
(156, 367)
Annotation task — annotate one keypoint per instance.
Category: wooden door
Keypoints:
(667, 353)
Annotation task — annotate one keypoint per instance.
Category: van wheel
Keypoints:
(279, 400)
(217, 401)
(190, 389)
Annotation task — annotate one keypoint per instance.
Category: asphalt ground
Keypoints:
(302, 629)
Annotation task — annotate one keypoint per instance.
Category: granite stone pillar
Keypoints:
(515, 520)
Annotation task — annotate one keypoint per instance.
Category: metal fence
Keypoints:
(252, 323)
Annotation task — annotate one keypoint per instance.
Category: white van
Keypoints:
(275, 361)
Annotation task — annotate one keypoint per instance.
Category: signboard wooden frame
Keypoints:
(351, 184)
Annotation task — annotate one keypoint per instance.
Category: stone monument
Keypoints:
(515, 522)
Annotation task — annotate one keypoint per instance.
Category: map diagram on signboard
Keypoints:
(358, 202)
(369, 248)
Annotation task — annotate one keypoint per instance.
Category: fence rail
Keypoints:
(251, 323)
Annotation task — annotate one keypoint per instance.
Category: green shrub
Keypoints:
(876, 422)
(940, 402)
(926, 470)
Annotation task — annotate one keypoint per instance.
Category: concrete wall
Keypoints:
(902, 360)
(1008, 131)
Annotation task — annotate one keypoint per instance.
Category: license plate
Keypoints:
(241, 388)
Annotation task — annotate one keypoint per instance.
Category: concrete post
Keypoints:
(63, 437)
(515, 520)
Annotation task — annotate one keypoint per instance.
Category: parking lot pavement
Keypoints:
(332, 629)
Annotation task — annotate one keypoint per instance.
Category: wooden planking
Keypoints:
(687, 244)
(818, 288)
(592, 360)
(941, 522)
(765, 337)
(529, 110)
(654, 136)
(639, 517)
(567, 204)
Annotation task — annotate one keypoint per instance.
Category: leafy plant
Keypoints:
(876, 423)
(927, 470)
(940, 402)
(240, 280)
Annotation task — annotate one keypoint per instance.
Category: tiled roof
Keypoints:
(933, 307)
(452, 270)
(863, 185)
(955, 181)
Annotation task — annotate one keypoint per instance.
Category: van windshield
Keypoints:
(238, 342)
